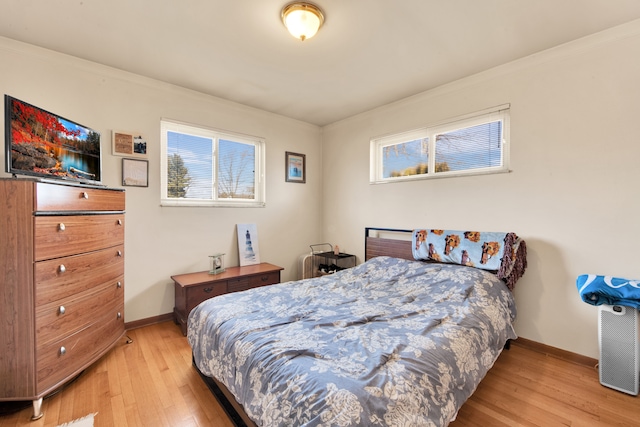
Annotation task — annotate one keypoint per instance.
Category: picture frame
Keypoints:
(295, 167)
(135, 172)
(248, 247)
(128, 144)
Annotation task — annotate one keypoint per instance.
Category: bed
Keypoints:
(393, 341)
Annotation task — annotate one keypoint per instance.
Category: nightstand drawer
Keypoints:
(264, 279)
(237, 285)
(197, 294)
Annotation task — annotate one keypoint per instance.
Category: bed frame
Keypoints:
(378, 242)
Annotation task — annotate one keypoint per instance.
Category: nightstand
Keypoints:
(193, 288)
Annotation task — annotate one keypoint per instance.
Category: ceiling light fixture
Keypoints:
(302, 19)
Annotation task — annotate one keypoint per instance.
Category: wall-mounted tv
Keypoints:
(43, 144)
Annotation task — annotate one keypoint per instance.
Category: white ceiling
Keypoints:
(367, 54)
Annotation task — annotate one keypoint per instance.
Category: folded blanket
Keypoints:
(504, 253)
(598, 290)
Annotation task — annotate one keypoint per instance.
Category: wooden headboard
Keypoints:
(387, 242)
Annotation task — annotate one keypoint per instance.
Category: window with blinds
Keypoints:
(205, 167)
(473, 144)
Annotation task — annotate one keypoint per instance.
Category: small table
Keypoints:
(193, 288)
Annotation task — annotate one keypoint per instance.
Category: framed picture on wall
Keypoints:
(135, 172)
(295, 167)
(128, 144)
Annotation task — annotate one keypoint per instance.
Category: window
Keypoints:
(474, 144)
(205, 167)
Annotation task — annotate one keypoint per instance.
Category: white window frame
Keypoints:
(378, 144)
(259, 200)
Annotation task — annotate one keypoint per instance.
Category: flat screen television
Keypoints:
(43, 144)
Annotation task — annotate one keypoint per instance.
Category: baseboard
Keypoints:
(556, 352)
(148, 321)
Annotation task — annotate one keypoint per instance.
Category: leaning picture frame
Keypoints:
(135, 172)
(128, 144)
(295, 167)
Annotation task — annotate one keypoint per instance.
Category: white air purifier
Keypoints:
(619, 340)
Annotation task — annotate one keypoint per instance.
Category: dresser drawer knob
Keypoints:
(63, 351)
(119, 253)
(207, 290)
(119, 315)
(61, 226)
(119, 222)
(62, 268)
(119, 284)
(85, 195)
(62, 310)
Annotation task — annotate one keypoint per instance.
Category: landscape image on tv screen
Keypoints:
(44, 144)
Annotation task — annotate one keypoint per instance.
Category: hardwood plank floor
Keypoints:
(151, 382)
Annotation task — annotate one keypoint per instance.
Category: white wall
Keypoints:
(163, 241)
(572, 193)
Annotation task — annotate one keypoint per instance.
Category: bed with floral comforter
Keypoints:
(390, 342)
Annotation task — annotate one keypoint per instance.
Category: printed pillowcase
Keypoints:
(471, 248)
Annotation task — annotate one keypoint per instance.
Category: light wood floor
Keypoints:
(151, 383)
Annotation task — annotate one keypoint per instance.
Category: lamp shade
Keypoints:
(302, 19)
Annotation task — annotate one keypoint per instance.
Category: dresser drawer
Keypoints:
(197, 294)
(61, 359)
(81, 273)
(58, 236)
(67, 316)
(52, 197)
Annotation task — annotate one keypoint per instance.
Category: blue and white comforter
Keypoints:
(387, 343)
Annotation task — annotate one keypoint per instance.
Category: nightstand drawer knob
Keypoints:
(63, 351)
(119, 253)
(62, 310)
(264, 278)
(207, 290)
(119, 222)
(61, 226)
(119, 315)
(119, 284)
(62, 268)
(85, 195)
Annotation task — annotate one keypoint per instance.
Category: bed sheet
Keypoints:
(390, 342)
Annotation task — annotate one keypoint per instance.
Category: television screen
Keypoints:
(40, 143)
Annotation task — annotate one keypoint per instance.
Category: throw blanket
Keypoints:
(504, 253)
(598, 290)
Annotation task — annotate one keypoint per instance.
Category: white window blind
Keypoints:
(473, 144)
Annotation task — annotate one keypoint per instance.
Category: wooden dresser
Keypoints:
(61, 283)
(193, 288)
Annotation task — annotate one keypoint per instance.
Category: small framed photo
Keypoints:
(135, 172)
(128, 144)
(295, 167)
